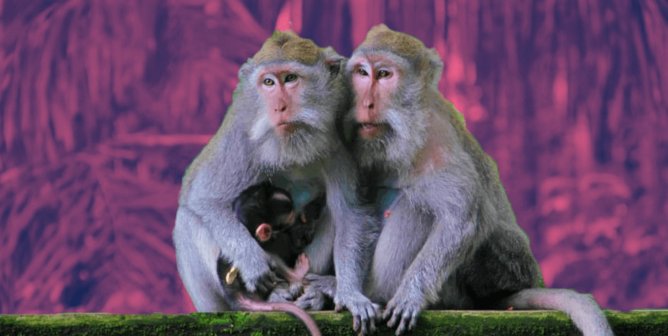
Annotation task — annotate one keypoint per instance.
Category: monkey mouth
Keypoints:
(263, 232)
(286, 127)
(369, 130)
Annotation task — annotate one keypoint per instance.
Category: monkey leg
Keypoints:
(501, 265)
(196, 257)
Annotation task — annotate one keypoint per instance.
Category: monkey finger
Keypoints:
(367, 320)
(365, 328)
(371, 314)
(271, 277)
(307, 296)
(388, 311)
(406, 319)
(372, 311)
(372, 325)
(304, 304)
(414, 318)
(401, 328)
(378, 312)
(338, 308)
(260, 288)
(268, 282)
(403, 323)
(393, 321)
(356, 323)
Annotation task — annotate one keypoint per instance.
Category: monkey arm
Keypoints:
(354, 237)
(211, 184)
(452, 234)
(236, 244)
(352, 252)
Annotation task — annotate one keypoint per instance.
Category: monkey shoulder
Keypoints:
(222, 170)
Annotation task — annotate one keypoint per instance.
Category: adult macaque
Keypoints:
(449, 237)
(280, 127)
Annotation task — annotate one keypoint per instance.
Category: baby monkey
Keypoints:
(269, 215)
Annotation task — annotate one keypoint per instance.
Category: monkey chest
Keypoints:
(403, 233)
(304, 187)
(402, 225)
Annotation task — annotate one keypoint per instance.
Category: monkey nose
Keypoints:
(281, 108)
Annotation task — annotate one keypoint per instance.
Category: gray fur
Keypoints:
(451, 239)
(245, 151)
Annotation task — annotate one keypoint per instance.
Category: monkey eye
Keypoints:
(362, 72)
(290, 78)
(268, 82)
(383, 74)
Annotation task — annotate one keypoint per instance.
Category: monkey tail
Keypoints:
(260, 306)
(582, 309)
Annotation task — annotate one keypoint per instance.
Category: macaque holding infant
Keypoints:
(282, 128)
(447, 239)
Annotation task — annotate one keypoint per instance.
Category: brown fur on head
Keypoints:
(285, 46)
(424, 61)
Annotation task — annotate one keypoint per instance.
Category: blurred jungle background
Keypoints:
(103, 104)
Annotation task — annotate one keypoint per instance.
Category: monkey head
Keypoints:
(265, 210)
(282, 210)
(393, 77)
(293, 91)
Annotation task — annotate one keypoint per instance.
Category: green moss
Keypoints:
(639, 322)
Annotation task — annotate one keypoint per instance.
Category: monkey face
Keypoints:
(381, 121)
(295, 119)
(394, 79)
(280, 88)
(375, 79)
(293, 93)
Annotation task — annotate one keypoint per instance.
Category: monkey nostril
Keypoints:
(370, 105)
(283, 108)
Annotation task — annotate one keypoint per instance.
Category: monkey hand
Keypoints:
(363, 310)
(316, 290)
(321, 283)
(404, 309)
(311, 299)
(258, 276)
(282, 293)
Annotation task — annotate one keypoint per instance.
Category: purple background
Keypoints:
(104, 103)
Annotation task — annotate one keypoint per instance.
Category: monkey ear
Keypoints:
(246, 69)
(333, 61)
(435, 67)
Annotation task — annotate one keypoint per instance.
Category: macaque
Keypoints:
(281, 128)
(449, 237)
